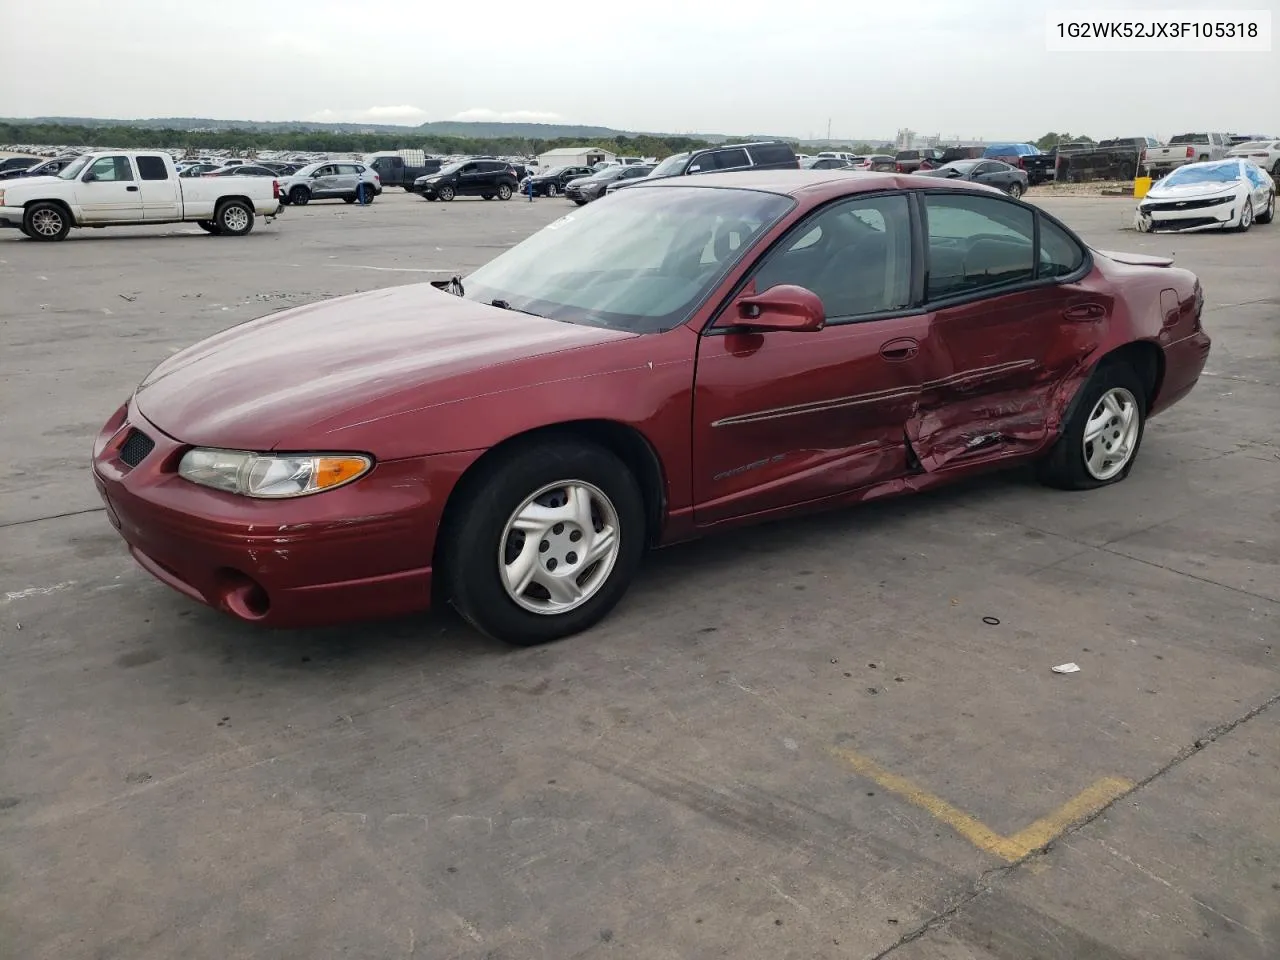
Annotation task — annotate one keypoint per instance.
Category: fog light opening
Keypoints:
(241, 595)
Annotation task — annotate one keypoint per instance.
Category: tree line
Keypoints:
(246, 141)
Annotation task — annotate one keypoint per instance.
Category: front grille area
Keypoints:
(136, 447)
(1185, 204)
(1185, 224)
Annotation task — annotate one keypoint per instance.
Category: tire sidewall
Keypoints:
(504, 192)
(471, 548)
(41, 237)
(300, 196)
(219, 219)
(446, 193)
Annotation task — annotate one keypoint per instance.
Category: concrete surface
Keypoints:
(799, 741)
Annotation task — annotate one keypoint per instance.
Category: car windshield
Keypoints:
(641, 262)
(1228, 172)
(74, 168)
(672, 166)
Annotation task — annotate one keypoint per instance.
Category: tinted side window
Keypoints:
(856, 256)
(1059, 254)
(771, 153)
(977, 243)
(152, 168)
(731, 159)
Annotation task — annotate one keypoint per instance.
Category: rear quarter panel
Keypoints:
(201, 195)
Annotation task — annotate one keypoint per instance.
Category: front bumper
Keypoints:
(1170, 216)
(11, 216)
(359, 552)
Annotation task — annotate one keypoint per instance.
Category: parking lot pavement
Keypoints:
(796, 741)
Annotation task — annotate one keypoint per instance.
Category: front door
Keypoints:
(324, 182)
(782, 418)
(108, 192)
(1004, 333)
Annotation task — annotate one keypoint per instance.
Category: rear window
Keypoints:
(1190, 138)
(152, 168)
(772, 153)
(908, 155)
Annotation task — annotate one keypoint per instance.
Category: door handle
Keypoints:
(132, 189)
(901, 349)
(1085, 311)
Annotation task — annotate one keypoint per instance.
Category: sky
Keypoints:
(974, 69)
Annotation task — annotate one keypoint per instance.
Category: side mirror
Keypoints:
(89, 177)
(782, 307)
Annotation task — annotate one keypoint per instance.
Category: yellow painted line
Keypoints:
(1011, 848)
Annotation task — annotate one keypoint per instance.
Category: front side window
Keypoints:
(1060, 254)
(977, 243)
(855, 255)
(111, 169)
(641, 262)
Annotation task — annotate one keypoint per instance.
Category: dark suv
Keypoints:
(770, 155)
(469, 178)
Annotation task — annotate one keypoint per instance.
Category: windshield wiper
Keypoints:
(506, 305)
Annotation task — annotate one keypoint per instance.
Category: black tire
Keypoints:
(504, 191)
(350, 199)
(1246, 217)
(299, 196)
(409, 188)
(1268, 214)
(234, 218)
(474, 536)
(1064, 466)
(553, 190)
(370, 194)
(486, 196)
(46, 222)
(208, 226)
(1015, 190)
(446, 193)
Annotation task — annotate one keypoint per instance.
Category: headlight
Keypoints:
(271, 476)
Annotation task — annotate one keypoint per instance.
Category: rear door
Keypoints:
(108, 191)
(734, 158)
(158, 188)
(1009, 325)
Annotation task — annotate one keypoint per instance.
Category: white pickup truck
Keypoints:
(1186, 148)
(133, 188)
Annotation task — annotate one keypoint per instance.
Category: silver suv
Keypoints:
(330, 180)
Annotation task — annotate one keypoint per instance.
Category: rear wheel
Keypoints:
(1100, 442)
(234, 218)
(1015, 190)
(446, 193)
(504, 191)
(350, 199)
(46, 222)
(208, 226)
(299, 196)
(547, 542)
(553, 189)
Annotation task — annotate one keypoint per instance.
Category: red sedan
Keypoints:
(688, 355)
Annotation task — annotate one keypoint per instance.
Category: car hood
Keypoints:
(20, 181)
(265, 382)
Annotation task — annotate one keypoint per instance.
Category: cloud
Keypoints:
(404, 113)
(484, 115)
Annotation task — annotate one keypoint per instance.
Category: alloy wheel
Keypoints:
(559, 547)
(1111, 433)
(47, 223)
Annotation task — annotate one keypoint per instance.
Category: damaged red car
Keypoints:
(686, 356)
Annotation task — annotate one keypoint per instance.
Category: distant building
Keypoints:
(574, 157)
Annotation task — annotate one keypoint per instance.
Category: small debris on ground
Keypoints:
(1067, 668)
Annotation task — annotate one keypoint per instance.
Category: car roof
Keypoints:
(806, 183)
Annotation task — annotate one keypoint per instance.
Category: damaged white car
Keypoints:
(1231, 194)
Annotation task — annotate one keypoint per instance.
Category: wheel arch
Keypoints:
(631, 446)
(61, 204)
(1144, 357)
(223, 201)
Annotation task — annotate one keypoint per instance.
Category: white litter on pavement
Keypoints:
(1067, 668)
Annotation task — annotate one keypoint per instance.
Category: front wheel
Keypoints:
(234, 218)
(446, 194)
(1246, 217)
(552, 190)
(1101, 440)
(299, 196)
(504, 191)
(546, 543)
(1015, 190)
(46, 222)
